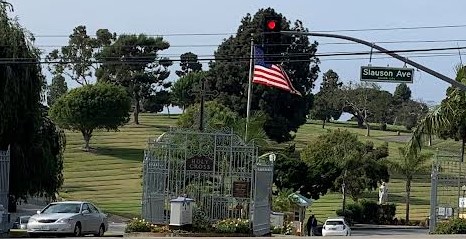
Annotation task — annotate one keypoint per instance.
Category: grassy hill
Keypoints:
(110, 175)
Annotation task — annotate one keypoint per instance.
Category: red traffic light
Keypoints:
(271, 24)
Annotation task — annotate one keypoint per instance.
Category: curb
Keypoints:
(390, 227)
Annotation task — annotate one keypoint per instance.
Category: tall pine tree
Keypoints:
(228, 75)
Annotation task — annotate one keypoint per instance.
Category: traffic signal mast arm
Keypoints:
(383, 50)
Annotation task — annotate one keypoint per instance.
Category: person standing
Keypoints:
(311, 225)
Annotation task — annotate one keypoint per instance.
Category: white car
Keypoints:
(336, 227)
(73, 217)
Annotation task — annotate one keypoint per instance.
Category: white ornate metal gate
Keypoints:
(213, 168)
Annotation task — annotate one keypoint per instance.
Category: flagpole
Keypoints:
(248, 107)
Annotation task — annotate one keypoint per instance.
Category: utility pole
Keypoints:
(383, 50)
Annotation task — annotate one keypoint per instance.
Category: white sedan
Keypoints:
(336, 227)
(73, 217)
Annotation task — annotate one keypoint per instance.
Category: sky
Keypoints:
(51, 21)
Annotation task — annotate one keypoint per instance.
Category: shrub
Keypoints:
(370, 211)
(201, 221)
(453, 226)
(141, 225)
(232, 226)
(347, 214)
(356, 210)
(138, 225)
(386, 213)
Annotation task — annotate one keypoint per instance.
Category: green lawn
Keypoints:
(110, 175)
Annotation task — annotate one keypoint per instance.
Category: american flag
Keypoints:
(270, 74)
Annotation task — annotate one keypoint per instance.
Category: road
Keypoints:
(117, 229)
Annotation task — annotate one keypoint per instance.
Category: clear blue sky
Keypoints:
(59, 17)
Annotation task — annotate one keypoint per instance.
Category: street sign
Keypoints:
(387, 74)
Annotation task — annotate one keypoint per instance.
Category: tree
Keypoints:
(338, 157)
(77, 59)
(402, 93)
(409, 113)
(91, 107)
(327, 103)
(139, 68)
(409, 165)
(367, 103)
(181, 93)
(446, 121)
(35, 142)
(56, 89)
(228, 75)
(216, 115)
(157, 101)
(188, 63)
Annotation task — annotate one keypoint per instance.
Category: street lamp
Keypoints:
(272, 158)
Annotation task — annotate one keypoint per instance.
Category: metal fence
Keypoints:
(213, 168)
(448, 188)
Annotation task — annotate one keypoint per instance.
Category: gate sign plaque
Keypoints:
(387, 74)
(241, 189)
(200, 163)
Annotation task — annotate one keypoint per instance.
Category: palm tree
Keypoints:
(256, 132)
(442, 117)
(409, 165)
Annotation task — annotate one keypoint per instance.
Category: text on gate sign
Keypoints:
(200, 163)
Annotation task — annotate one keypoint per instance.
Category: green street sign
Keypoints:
(387, 74)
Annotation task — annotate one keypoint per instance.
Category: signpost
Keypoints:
(387, 74)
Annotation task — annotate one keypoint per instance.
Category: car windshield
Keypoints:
(63, 208)
(334, 223)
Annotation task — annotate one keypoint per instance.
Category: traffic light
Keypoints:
(272, 24)
(272, 38)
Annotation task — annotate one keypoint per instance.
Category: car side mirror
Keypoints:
(86, 211)
(38, 211)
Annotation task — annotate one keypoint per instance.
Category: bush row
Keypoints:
(369, 212)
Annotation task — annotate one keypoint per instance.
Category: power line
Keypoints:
(149, 59)
(395, 28)
(320, 44)
(232, 33)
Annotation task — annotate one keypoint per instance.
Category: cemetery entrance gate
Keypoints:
(215, 168)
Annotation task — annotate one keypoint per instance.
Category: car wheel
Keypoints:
(77, 230)
(101, 231)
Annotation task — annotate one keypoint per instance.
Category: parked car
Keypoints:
(72, 217)
(21, 222)
(336, 227)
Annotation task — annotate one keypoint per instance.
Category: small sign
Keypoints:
(387, 74)
(241, 189)
(441, 211)
(200, 163)
(462, 202)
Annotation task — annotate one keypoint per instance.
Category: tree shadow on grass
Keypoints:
(130, 154)
(71, 189)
